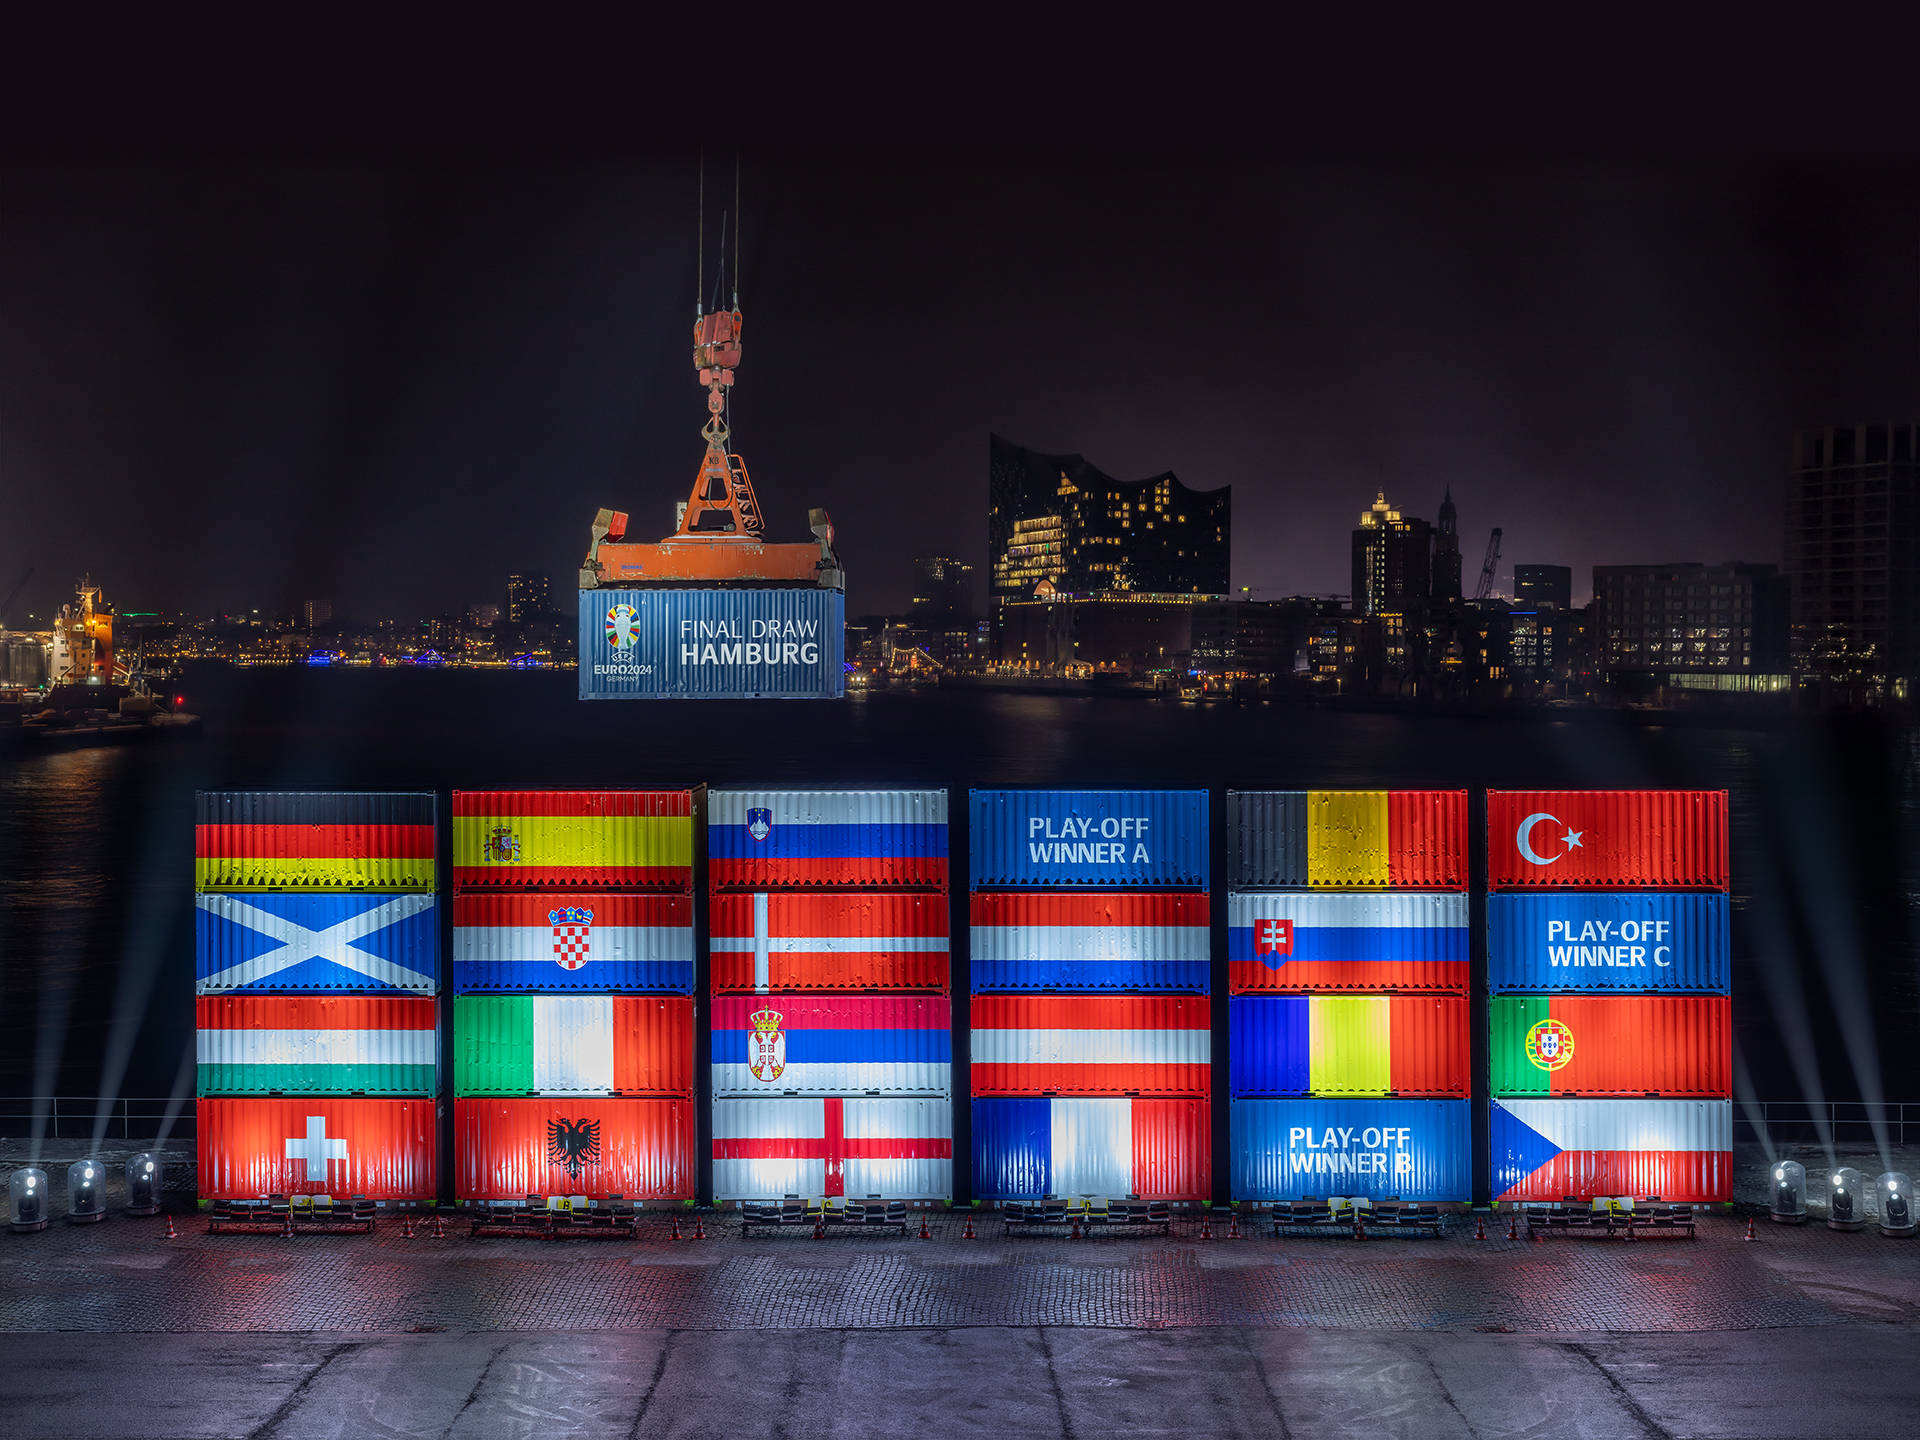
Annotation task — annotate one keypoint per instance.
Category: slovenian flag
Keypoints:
(573, 839)
(1675, 1149)
(581, 942)
(1155, 1149)
(316, 1044)
(1096, 941)
(1408, 943)
(832, 1045)
(811, 839)
(1358, 1045)
(897, 1149)
(769, 943)
(573, 1045)
(320, 943)
(1092, 1045)
(324, 841)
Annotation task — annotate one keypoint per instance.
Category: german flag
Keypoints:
(314, 840)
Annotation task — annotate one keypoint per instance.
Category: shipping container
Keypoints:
(325, 840)
(1347, 839)
(1031, 1148)
(329, 944)
(832, 1045)
(771, 943)
(1357, 1045)
(1611, 1044)
(1089, 839)
(1101, 941)
(383, 1149)
(573, 1045)
(573, 943)
(899, 1149)
(712, 644)
(1581, 941)
(579, 840)
(1607, 839)
(1679, 1150)
(1411, 1150)
(826, 839)
(1291, 943)
(1092, 1045)
(508, 1149)
(316, 1045)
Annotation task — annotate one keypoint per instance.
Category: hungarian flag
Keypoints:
(578, 942)
(318, 943)
(573, 839)
(573, 1045)
(1675, 1149)
(1029, 1149)
(316, 1044)
(819, 1045)
(1358, 1045)
(812, 839)
(768, 943)
(313, 840)
(897, 1149)
(1092, 1045)
(1297, 942)
(1611, 1044)
(1089, 941)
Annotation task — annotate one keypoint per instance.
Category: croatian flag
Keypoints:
(896, 1149)
(1675, 1149)
(832, 1045)
(580, 942)
(1029, 1149)
(792, 840)
(769, 943)
(1089, 941)
(323, 943)
(316, 1044)
(1092, 1045)
(1323, 941)
(573, 1045)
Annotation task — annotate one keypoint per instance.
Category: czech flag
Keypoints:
(1090, 941)
(321, 943)
(574, 942)
(816, 1044)
(1407, 943)
(1092, 1045)
(798, 840)
(573, 839)
(1611, 1044)
(1358, 1045)
(573, 1045)
(313, 840)
(316, 1044)
(1675, 1149)
(769, 943)
(896, 1149)
(1155, 1149)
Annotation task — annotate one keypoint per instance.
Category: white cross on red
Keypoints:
(316, 1149)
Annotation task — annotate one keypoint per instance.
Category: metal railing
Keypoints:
(1799, 1121)
(75, 1117)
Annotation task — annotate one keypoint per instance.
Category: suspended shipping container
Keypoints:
(770, 943)
(712, 644)
(1358, 1045)
(508, 1149)
(898, 1149)
(322, 840)
(573, 1045)
(1607, 839)
(316, 943)
(1090, 942)
(1092, 1045)
(1411, 1150)
(826, 839)
(1644, 940)
(1611, 1044)
(832, 1045)
(581, 840)
(602, 943)
(1347, 839)
(383, 1149)
(1679, 1150)
(1089, 839)
(1031, 1148)
(1280, 942)
(316, 1044)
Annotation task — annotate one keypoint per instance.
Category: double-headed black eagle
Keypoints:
(575, 1143)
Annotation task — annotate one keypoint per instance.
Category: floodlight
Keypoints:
(86, 1192)
(27, 1194)
(1847, 1201)
(144, 1174)
(1896, 1205)
(1789, 1193)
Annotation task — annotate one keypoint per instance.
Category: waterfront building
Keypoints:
(1446, 553)
(1655, 622)
(942, 587)
(1392, 560)
(1540, 587)
(529, 597)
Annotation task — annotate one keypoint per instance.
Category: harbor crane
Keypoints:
(1484, 590)
(14, 594)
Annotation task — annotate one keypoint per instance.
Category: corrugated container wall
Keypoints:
(579, 840)
(316, 1044)
(248, 840)
(900, 1149)
(1679, 1150)
(1089, 839)
(760, 943)
(1151, 1148)
(1586, 942)
(826, 839)
(1611, 1044)
(383, 1149)
(573, 942)
(1347, 839)
(1349, 1045)
(1411, 1150)
(262, 943)
(573, 1045)
(832, 1045)
(509, 1149)
(1092, 1045)
(1099, 941)
(712, 644)
(1287, 943)
(1607, 839)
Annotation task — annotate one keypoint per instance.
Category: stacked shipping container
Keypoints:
(573, 974)
(832, 1031)
(1091, 1014)
(1609, 1022)
(316, 972)
(1347, 966)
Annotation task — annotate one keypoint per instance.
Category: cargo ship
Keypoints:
(94, 695)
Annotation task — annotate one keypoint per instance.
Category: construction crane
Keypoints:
(14, 594)
(1484, 590)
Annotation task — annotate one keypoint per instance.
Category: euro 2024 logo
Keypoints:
(623, 627)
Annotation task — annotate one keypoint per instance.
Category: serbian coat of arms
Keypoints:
(766, 1045)
(572, 936)
(501, 845)
(759, 823)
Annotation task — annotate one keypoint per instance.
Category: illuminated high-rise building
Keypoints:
(942, 586)
(529, 596)
(1392, 560)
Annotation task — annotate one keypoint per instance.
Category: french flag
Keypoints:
(1675, 1149)
(899, 1149)
(1331, 942)
(795, 840)
(1029, 1149)
(1089, 941)
(581, 942)
(832, 1045)
(1092, 1045)
(768, 943)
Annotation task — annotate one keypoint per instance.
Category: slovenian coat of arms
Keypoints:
(759, 823)
(766, 1045)
(572, 936)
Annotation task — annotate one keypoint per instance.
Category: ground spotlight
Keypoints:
(27, 1192)
(1789, 1193)
(1847, 1201)
(86, 1192)
(143, 1184)
(1896, 1205)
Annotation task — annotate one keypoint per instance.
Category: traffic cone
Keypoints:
(406, 1225)
(439, 1226)
(699, 1228)
(1513, 1225)
(820, 1227)
(676, 1226)
(1075, 1233)
(286, 1226)
(171, 1234)
(1206, 1225)
(1359, 1224)
(1233, 1227)
(925, 1233)
(1480, 1228)
(968, 1234)
(1750, 1235)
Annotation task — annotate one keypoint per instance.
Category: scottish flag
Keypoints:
(296, 943)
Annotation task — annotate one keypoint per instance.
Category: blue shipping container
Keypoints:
(1089, 839)
(296, 943)
(712, 644)
(1286, 1150)
(1584, 943)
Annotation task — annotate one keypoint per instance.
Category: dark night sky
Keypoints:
(239, 382)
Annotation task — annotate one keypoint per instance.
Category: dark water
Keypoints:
(96, 846)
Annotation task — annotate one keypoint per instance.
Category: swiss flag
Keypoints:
(1273, 937)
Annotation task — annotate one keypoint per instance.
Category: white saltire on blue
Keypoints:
(298, 944)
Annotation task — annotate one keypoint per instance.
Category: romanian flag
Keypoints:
(832, 1045)
(1679, 1150)
(896, 1149)
(1092, 1045)
(313, 840)
(1281, 942)
(573, 840)
(573, 1045)
(1348, 1045)
(1155, 1149)
(768, 943)
(1611, 1044)
(316, 1044)
(1100, 940)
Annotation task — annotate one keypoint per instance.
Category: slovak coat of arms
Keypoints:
(766, 1046)
(759, 823)
(572, 936)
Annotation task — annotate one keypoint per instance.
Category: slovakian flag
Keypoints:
(1089, 941)
(898, 1149)
(573, 839)
(1403, 942)
(1675, 1149)
(810, 839)
(313, 841)
(832, 1045)
(573, 1045)
(316, 1044)
(1155, 1149)
(1092, 1045)
(1341, 1045)
(322, 943)
(770, 943)
(579, 942)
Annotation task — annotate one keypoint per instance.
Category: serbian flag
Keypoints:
(896, 1149)
(1154, 1149)
(1675, 1149)
(813, 839)
(832, 1045)
(573, 839)
(1358, 1045)
(573, 1045)
(1092, 1045)
(313, 840)
(1411, 942)
(1089, 941)
(321, 943)
(769, 943)
(316, 1044)
(576, 942)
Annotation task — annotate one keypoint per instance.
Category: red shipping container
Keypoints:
(1607, 839)
(509, 1149)
(794, 942)
(1611, 1044)
(383, 1149)
(1173, 1148)
(1092, 1045)
(1427, 836)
